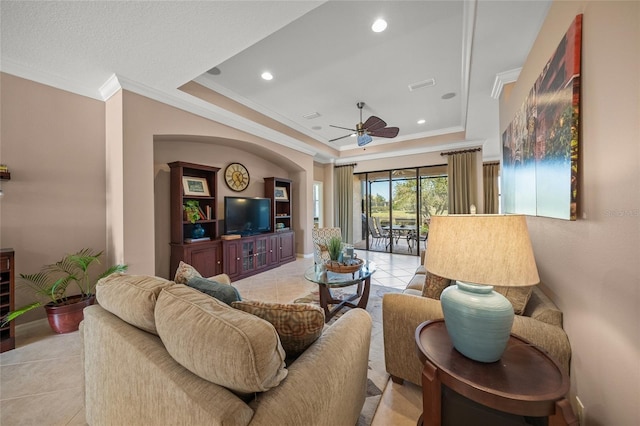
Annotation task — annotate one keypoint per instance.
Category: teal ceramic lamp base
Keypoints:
(478, 320)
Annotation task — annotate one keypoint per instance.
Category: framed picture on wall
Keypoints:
(281, 193)
(195, 186)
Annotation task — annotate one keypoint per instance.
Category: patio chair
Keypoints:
(377, 233)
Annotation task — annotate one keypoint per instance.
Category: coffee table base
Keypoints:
(326, 299)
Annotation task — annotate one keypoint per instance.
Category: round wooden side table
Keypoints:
(525, 381)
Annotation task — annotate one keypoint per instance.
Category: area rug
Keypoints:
(377, 375)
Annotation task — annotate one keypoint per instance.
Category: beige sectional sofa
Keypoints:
(161, 353)
(540, 324)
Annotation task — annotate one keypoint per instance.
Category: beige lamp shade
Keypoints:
(482, 249)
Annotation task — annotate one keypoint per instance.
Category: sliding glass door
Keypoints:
(396, 206)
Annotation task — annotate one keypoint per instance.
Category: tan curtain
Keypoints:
(343, 178)
(463, 181)
(490, 173)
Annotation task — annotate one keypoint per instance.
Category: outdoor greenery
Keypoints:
(434, 201)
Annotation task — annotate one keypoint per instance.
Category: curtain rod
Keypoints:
(345, 165)
(491, 163)
(461, 152)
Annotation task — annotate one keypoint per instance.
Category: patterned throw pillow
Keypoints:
(518, 296)
(223, 292)
(324, 251)
(185, 272)
(434, 285)
(298, 324)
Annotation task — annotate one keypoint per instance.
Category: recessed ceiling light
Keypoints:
(448, 95)
(422, 121)
(379, 25)
(267, 76)
(214, 71)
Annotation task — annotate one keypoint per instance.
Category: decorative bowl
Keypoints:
(343, 268)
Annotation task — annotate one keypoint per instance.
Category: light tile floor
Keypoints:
(41, 380)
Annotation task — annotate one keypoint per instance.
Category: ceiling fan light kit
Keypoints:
(374, 126)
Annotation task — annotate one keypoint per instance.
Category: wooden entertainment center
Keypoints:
(212, 254)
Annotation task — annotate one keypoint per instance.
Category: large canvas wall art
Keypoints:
(540, 146)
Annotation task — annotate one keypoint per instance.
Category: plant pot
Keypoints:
(66, 318)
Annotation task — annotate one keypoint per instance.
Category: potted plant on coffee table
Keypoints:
(51, 283)
(334, 247)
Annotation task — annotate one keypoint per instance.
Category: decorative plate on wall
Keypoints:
(237, 177)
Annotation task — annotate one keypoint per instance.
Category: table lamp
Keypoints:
(478, 252)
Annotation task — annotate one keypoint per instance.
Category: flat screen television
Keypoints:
(247, 216)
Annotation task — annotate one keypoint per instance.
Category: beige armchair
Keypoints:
(321, 237)
(540, 324)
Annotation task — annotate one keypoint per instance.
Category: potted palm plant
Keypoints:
(51, 283)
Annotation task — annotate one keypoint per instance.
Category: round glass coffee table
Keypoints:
(328, 280)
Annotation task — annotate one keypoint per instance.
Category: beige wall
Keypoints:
(201, 152)
(591, 267)
(146, 121)
(53, 142)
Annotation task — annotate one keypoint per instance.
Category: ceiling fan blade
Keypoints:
(364, 139)
(374, 123)
(387, 132)
(343, 128)
(341, 137)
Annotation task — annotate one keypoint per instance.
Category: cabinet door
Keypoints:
(232, 258)
(206, 260)
(261, 252)
(248, 258)
(287, 250)
(274, 249)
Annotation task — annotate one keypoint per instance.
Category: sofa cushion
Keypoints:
(132, 298)
(298, 324)
(434, 285)
(518, 296)
(223, 292)
(226, 346)
(185, 272)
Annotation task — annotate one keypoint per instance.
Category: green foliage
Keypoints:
(52, 281)
(334, 247)
(561, 135)
(192, 207)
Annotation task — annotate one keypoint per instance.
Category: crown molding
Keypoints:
(194, 105)
(21, 70)
(503, 78)
(110, 87)
(412, 151)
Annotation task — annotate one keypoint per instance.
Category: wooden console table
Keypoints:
(525, 381)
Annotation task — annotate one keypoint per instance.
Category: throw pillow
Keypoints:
(223, 292)
(298, 324)
(518, 296)
(434, 285)
(324, 251)
(185, 272)
(226, 346)
(132, 298)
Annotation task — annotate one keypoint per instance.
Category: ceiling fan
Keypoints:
(374, 126)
